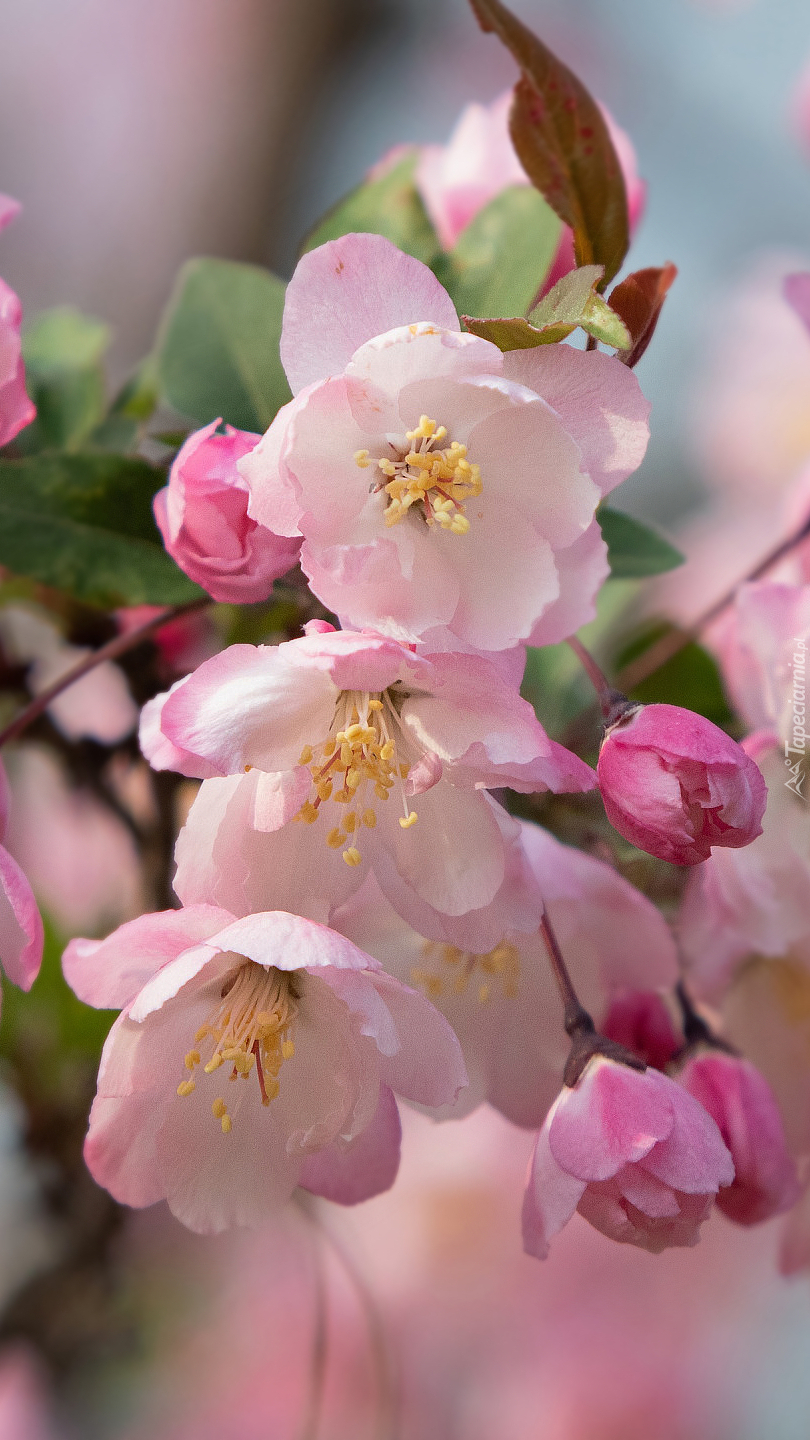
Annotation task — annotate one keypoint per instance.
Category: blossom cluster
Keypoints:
(363, 917)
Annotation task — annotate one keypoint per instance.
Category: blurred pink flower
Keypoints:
(24, 1409)
(751, 901)
(800, 109)
(639, 1020)
(504, 1005)
(796, 290)
(458, 179)
(21, 933)
(633, 1153)
(402, 531)
(16, 410)
(330, 727)
(202, 516)
(676, 785)
(324, 1033)
(742, 1104)
(761, 643)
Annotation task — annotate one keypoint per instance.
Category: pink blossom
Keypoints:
(751, 901)
(329, 728)
(640, 1020)
(503, 1004)
(313, 1033)
(24, 1411)
(675, 785)
(458, 179)
(633, 1153)
(437, 482)
(16, 410)
(202, 516)
(796, 290)
(761, 644)
(800, 109)
(741, 1102)
(21, 932)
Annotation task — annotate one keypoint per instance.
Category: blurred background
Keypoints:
(141, 132)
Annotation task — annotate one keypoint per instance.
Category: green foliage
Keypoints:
(634, 549)
(690, 679)
(556, 686)
(389, 205)
(572, 302)
(63, 351)
(217, 352)
(503, 256)
(49, 1028)
(83, 524)
(563, 143)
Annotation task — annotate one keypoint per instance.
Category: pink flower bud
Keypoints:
(639, 1020)
(16, 410)
(623, 1149)
(742, 1103)
(675, 785)
(202, 516)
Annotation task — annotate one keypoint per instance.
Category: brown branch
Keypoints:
(111, 651)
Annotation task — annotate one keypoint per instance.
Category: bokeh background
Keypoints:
(138, 133)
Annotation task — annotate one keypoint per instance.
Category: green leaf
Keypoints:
(563, 143)
(83, 524)
(63, 350)
(571, 303)
(635, 549)
(690, 679)
(217, 351)
(503, 256)
(389, 205)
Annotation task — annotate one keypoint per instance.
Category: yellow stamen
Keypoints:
(352, 856)
(408, 821)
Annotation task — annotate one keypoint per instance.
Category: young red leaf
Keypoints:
(563, 143)
(638, 301)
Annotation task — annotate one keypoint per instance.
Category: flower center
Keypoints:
(448, 971)
(250, 1030)
(356, 765)
(437, 480)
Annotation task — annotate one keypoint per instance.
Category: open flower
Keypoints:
(16, 410)
(202, 516)
(504, 1004)
(359, 754)
(434, 480)
(21, 933)
(635, 1154)
(742, 1103)
(675, 785)
(251, 1056)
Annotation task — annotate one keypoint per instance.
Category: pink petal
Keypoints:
(21, 932)
(290, 942)
(9, 210)
(350, 1172)
(428, 1067)
(582, 569)
(109, 973)
(598, 400)
(348, 291)
(614, 1116)
(796, 290)
(552, 1196)
(692, 1157)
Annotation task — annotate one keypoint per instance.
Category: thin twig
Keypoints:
(111, 651)
(676, 640)
(576, 1016)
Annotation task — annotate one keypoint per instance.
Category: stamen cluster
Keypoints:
(439, 480)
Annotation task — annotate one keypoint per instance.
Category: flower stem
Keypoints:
(111, 651)
(613, 703)
(577, 1019)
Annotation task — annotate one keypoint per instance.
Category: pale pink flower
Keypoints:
(458, 179)
(633, 1153)
(359, 754)
(796, 290)
(504, 1005)
(436, 481)
(675, 785)
(752, 901)
(202, 516)
(741, 1102)
(761, 643)
(24, 1410)
(16, 410)
(314, 1035)
(21, 933)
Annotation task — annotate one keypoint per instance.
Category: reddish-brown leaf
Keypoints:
(563, 143)
(638, 301)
